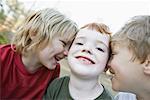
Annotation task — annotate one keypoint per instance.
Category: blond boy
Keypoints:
(130, 61)
(31, 61)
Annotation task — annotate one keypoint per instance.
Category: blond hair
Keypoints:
(44, 25)
(136, 35)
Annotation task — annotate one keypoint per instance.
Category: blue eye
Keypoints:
(79, 43)
(100, 49)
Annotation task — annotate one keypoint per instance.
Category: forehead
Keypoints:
(93, 35)
(66, 37)
(115, 45)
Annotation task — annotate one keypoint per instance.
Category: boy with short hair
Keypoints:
(31, 61)
(87, 59)
(130, 61)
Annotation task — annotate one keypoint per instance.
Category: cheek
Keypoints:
(114, 61)
(58, 48)
(101, 67)
(43, 52)
(73, 50)
(102, 58)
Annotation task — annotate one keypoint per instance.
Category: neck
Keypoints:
(143, 93)
(143, 96)
(143, 89)
(30, 62)
(81, 88)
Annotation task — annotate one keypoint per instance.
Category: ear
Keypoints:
(147, 67)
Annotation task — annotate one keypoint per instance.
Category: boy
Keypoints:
(131, 58)
(87, 59)
(29, 64)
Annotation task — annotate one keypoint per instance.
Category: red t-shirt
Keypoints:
(18, 84)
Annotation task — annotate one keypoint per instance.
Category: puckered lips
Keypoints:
(111, 73)
(86, 58)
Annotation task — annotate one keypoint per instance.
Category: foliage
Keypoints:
(3, 39)
(10, 12)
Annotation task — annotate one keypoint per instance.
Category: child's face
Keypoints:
(89, 52)
(127, 73)
(54, 52)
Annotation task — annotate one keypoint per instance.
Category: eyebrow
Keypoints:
(63, 42)
(82, 37)
(102, 43)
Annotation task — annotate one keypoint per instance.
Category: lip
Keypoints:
(111, 71)
(57, 58)
(86, 58)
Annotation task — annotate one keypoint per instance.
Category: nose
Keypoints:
(62, 55)
(65, 53)
(109, 64)
(87, 51)
(109, 67)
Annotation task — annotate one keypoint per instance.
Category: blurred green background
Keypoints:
(12, 12)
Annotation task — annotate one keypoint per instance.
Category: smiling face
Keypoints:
(53, 52)
(89, 52)
(127, 74)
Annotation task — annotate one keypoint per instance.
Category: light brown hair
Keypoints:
(135, 34)
(99, 27)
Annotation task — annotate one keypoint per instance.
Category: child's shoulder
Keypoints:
(2, 46)
(106, 95)
(61, 80)
(58, 83)
(5, 49)
(125, 96)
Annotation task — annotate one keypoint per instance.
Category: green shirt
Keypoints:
(59, 90)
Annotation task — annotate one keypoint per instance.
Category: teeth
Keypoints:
(85, 61)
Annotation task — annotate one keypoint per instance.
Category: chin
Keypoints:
(115, 86)
(51, 67)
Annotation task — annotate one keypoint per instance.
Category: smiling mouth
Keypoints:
(57, 58)
(85, 59)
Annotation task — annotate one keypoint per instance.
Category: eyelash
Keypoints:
(63, 43)
(112, 54)
(79, 43)
(97, 48)
(100, 49)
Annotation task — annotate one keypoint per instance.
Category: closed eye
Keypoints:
(112, 54)
(64, 43)
(79, 43)
(100, 49)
